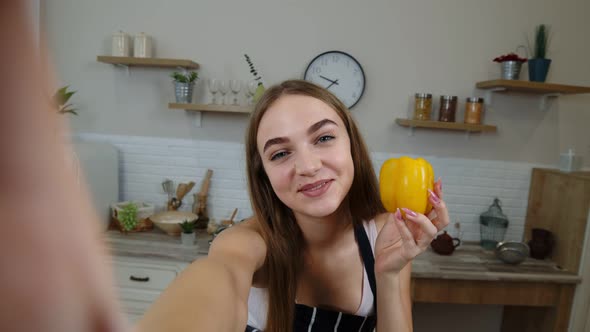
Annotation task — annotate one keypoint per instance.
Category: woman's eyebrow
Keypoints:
(312, 129)
(274, 141)
(316, 126)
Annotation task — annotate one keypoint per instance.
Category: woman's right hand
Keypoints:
(400, 241)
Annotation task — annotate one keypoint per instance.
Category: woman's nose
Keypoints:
(307, 163)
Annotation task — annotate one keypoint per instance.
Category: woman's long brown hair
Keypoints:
(279, 228)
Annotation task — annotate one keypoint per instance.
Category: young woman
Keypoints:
(320, 254)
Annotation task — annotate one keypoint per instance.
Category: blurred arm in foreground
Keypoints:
(53, 272)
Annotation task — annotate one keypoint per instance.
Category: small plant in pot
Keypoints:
(183, 86)
(539, 64)
(187, 236)
(511, 64)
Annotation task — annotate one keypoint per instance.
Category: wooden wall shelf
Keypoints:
(211, 108)
(147, 62)
(532, 87)
(445, 125)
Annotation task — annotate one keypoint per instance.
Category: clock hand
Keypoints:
(333, 82)
(327, 79)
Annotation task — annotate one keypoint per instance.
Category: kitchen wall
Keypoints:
(403, 46)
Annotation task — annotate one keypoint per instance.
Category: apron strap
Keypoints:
(368, 260)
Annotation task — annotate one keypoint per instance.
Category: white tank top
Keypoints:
(258, 297)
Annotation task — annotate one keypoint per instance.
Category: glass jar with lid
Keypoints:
(473, 110)
(422, 106)
(493, 224)
(447, 108)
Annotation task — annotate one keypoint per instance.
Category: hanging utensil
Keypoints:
(168, 186)
(181, 191)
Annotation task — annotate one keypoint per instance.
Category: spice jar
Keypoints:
(473, 110)
(422, 106)
(448, 108)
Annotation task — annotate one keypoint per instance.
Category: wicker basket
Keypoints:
(144, 211)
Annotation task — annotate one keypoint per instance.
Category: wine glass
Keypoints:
(252, 86)
(235, 86)
(213, 88)
(223, 89)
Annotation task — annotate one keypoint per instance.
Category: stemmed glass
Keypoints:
(223, 88)
(236, 86)
(213, 88)
(252, 86)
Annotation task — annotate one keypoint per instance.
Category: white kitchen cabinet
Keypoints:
(140, 281)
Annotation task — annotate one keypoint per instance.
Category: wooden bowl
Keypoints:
(169, 221)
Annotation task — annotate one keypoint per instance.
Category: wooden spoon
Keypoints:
(183, 189)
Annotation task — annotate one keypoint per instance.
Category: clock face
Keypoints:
(340, 73)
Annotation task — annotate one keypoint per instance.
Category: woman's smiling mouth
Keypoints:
(315, 189)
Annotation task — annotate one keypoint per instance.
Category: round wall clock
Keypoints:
(340, 73)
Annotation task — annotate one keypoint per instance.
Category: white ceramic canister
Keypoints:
(121, 44)
(142, 46)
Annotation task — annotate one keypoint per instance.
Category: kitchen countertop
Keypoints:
(471, 262)
(156, 244)
(468, 262)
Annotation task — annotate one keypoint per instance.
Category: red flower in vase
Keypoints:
(509, 57)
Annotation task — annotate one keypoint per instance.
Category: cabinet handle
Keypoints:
(140, 279)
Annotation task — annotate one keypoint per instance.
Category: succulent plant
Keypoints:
(188, 226)
(188, 77)
(539, 51)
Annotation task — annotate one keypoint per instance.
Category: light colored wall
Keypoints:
(404, 47)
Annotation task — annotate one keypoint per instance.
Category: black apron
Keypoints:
(309, 319)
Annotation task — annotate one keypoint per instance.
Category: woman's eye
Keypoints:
(278, 155)
(325, 138)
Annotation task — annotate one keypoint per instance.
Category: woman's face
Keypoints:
(305, 151)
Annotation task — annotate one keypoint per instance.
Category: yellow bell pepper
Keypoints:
(404, 183)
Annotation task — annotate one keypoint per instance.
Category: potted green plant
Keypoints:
(60, 100)
(187, 236)
(539, 64)
(183, 85)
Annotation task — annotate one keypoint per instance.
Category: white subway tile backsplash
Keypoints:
(227, 174)
(469, 185)
(218, 163)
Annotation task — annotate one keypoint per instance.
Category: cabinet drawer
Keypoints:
(144, 276)
(135, 302)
